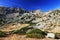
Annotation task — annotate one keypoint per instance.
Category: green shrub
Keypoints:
(2, 34)
(36, 33)
(35, 36)
(21, 31)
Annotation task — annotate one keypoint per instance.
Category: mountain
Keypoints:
(45, 21)
(9, 13)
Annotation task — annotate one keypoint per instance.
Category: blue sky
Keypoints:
(44, 5)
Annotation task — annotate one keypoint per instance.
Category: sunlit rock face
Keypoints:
(53, 17)
(51, 20)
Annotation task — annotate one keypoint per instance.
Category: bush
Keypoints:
(21, 31)
(35, 36)
(57, 36)
(2, 34)
(36, 33)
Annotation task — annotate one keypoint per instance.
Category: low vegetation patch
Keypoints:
(36, 33)
(57, 35)
(21, 31)
(3, 34)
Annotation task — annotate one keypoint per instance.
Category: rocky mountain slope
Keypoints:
(9, 14)
(46, 21)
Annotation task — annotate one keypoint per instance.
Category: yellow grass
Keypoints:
(11, 27)
(56, 30)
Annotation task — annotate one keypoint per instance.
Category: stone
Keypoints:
(50, 35)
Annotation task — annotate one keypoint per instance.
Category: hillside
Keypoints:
(17, 20)
(44, 20)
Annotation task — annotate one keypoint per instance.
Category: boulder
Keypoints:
(50, 35)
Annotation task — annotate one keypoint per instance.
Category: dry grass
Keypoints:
(21, 37)
(11, 27)
(56, 30)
